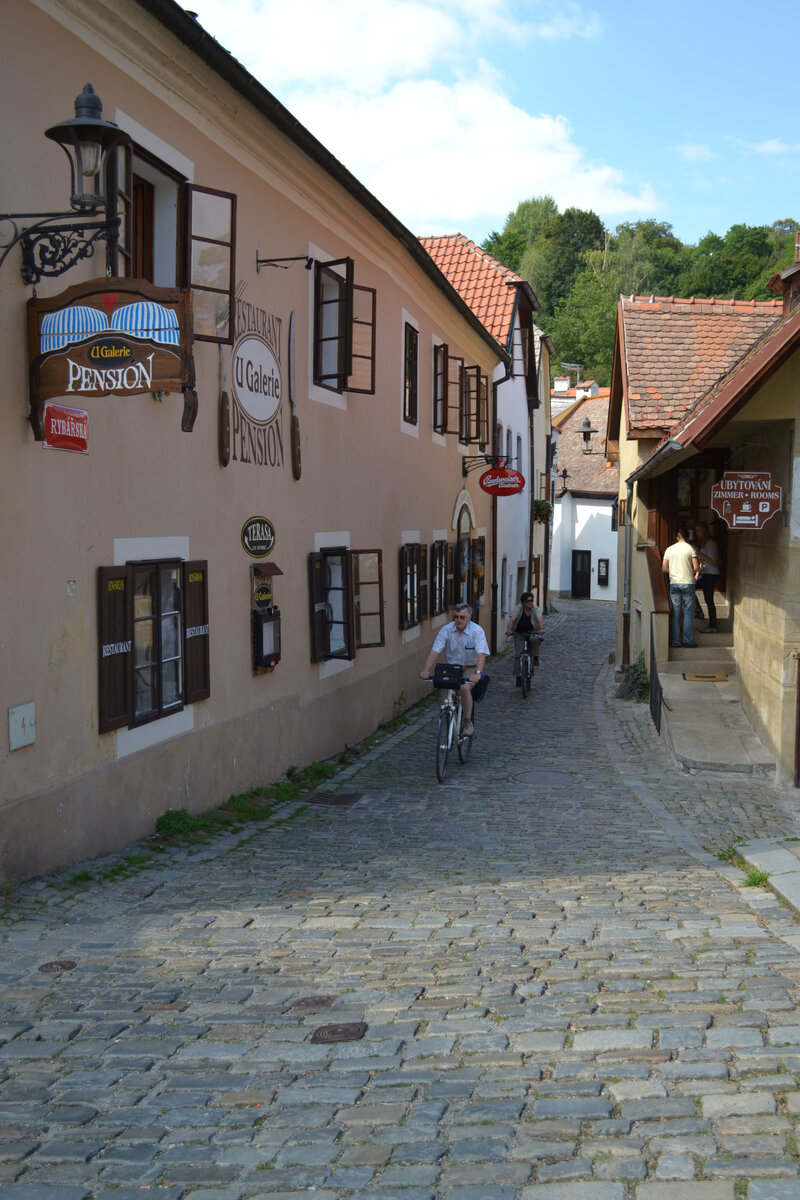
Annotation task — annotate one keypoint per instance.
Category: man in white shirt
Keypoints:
(683, 567)
(464, 644)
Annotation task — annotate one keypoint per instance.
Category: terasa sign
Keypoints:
(258, 537)
(502, 481)
(746, 499)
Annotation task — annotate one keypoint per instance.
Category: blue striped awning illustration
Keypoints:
(141, 319)
(146, 319)
(68, 325)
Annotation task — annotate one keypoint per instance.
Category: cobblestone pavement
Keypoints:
(562, 992)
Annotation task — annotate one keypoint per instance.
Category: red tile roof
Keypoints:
(675, 350)
(588, 473)
(486, 285)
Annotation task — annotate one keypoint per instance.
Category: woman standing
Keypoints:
(708, 553)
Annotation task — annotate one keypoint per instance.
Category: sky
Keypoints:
(453, 111)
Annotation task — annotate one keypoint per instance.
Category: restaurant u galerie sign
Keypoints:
(746, 499)
(119, 337)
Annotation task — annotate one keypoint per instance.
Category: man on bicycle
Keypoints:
(464, 644)
(526, 619)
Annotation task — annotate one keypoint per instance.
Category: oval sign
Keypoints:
(258, 537)
(502, 481)
(256, 378)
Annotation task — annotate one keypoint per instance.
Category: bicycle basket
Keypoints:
(447, 676)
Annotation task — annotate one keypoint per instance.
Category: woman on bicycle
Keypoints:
(464, 644)
(526, 618)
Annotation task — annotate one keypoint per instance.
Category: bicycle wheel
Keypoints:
(465, 743)
(442, 746)
(525, 672)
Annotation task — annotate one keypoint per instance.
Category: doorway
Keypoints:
(581, 574)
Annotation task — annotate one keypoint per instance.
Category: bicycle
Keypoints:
(526, 662)
(448, 734)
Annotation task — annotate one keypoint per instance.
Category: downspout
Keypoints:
(665, 451)
(493, 612)
(626, 587)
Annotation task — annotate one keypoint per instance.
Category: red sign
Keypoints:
(502, 481)
(746, 499)
(66, 428)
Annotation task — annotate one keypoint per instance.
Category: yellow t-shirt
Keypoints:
(678, 558)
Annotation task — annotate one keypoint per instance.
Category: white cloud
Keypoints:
(412, 96)
(695, 152)
(450, 154)
(773, 147)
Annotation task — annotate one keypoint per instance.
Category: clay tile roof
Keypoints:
(486, 285)
(588, 473)
(674, 350)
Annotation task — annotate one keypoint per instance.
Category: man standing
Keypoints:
(464, 644)
(683, 567)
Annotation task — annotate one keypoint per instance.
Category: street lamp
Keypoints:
(50, 247)
(586, 431)
(564, 476)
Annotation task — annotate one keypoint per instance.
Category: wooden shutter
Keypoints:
(333, 323)
(196, 658)
(483, 413)
(450, 590)
(362, 378)
(468, 425)
(114, 647)
(454, 394)
(422, 577)
(316, 595)
(440, 360)
(405, 598)
(477, 571)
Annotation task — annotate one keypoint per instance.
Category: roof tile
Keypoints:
(485, 284)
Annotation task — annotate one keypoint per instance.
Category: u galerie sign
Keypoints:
(256, 433)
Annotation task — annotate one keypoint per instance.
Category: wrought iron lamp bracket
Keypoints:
(278, 262)
(49, 249)
(473, 462)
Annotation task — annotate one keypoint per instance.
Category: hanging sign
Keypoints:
(258, 537)
(107, 337)
(502, 481)
(746, 499)
(66, 428)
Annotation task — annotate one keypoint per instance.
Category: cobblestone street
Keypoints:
(567, 994)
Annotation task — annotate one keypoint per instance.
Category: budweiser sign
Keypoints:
(746, 499)
(502, 481)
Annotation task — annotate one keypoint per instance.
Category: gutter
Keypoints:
(665, 451)
(195, 38)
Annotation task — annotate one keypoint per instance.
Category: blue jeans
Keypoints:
(681, 599)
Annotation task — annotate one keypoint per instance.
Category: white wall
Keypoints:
(583, 524)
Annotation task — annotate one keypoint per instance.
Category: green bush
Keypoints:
(636, 684)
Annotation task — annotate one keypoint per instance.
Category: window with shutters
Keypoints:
(153, 640)
(346, 599)
(443, 557)
(176, 234)
(344, 329)
(413, 584)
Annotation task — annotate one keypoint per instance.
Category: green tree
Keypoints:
(582, 327)
(553, 262)
(521, 229)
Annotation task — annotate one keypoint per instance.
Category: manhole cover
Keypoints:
(546, 778)
(333, 799)
(311, 1003)
(349, 1032)
(58, 965)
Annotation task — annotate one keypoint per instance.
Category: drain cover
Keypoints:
(333, 799)
(349, 1032)
(58, 965)
(311, 1003)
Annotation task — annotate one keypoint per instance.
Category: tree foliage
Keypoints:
(578, 268)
